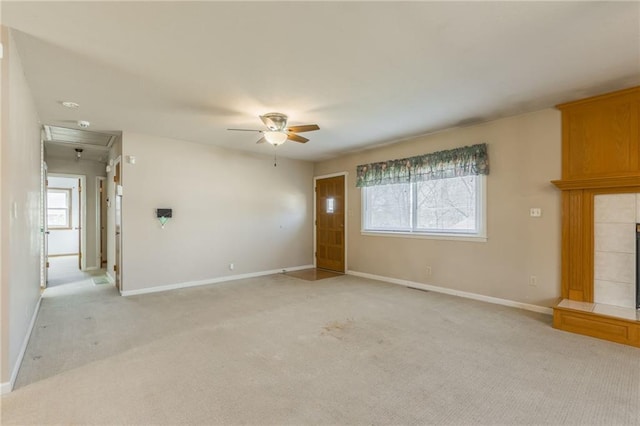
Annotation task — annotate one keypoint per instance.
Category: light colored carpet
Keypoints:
(313, 274)
(100, 280)
(65, 270)
(344, 350)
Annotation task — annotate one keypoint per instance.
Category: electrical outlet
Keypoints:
(535, 212)
(533, 281)
(231, 266)
(428, 270)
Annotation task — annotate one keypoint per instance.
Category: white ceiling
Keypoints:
(367, 73)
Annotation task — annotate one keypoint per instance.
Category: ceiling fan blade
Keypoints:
(304, 128)
(247, 130)
(296, 138)
(262, 140)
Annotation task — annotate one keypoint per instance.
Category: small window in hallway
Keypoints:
(59, 208)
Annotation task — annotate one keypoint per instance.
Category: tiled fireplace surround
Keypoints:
(615, 218)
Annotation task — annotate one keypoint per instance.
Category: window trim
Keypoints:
(69, 224)
(481, 217)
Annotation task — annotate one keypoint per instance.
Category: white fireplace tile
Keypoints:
(576, 305)
(617, 311)
(619, 267)
(616, 294)
(616, 237)
(615, 208)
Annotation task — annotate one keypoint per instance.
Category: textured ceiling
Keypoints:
(366, 72)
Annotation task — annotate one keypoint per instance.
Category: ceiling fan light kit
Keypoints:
(275, 138)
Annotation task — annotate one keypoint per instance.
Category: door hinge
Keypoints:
(115, 268)
(47, 264)
(115, 179)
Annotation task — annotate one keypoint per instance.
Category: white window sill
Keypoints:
(450, 237)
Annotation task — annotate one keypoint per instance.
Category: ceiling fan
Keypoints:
(278, 132)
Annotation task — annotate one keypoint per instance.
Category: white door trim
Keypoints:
(346, 216)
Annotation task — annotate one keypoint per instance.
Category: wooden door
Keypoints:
(117, 267)
(330, 209)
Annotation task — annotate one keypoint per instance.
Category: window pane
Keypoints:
(57, 199)
(388, 207)
(330, 205)
(447, 204)
(57, 218)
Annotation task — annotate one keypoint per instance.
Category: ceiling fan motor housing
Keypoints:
(275, 121)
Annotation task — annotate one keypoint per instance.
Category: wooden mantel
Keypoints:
(600, 155)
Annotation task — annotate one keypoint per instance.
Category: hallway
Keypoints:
(65, 270)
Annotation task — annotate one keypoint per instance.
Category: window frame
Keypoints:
(69, 224)
(480, 235)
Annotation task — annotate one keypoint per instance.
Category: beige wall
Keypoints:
(20, 200)
(525, 155)
(91, 170)
(228, 207)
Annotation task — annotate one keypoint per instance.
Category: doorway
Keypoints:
(101, 221)
(330, 223)
(66, 238)
(117, 267)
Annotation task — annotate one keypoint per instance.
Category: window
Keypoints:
(452, 206)
(437, 194)
(59, 208)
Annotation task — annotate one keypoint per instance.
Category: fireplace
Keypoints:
(600, 165)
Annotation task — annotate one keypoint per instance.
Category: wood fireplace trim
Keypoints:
(601, 155)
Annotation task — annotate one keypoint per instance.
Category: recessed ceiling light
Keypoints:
(69, 104)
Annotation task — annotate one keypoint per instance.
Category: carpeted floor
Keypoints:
(64, 270)
(313, 274)
(280, 350)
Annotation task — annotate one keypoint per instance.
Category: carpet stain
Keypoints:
(337, 329)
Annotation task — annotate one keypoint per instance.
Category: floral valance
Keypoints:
(465, 161)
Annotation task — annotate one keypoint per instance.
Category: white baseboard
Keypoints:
(459, 293)
(212, 281)
(91, 268)
(7, 387)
